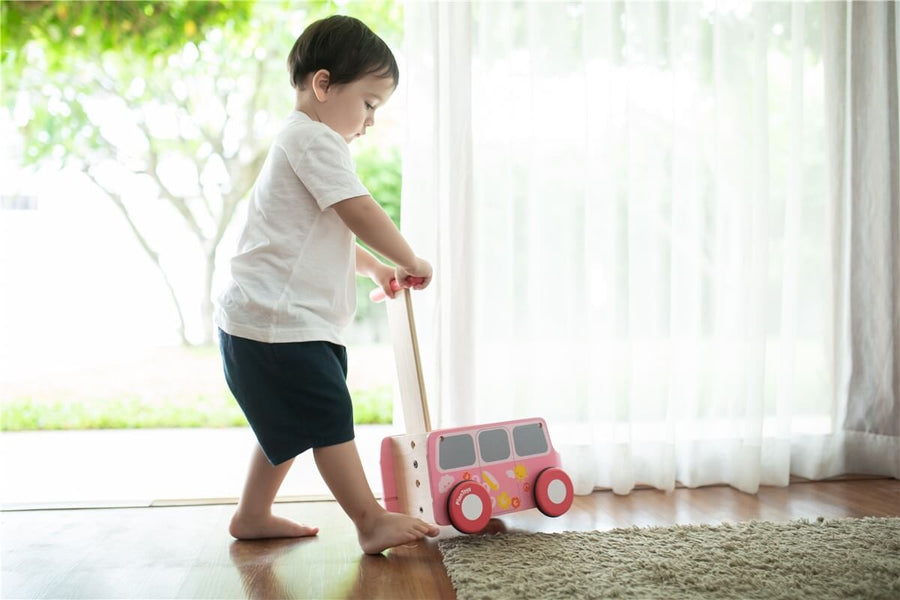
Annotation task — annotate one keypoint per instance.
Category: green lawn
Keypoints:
(174, 387)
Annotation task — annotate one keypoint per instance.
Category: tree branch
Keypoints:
(108, 83)
(177, 202)
(151, 253)
(242, 184)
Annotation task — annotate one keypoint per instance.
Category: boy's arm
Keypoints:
(369, 266)
(372, 225)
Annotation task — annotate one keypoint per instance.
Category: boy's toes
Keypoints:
(429, 529)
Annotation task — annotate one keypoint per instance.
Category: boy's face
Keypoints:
(350, 108)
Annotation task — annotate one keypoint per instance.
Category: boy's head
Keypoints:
(343, 46)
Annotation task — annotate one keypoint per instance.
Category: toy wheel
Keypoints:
(469, 507)
(553, 492)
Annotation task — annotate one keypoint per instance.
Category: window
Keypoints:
(456, 451)
(529, 439)
(494, 445)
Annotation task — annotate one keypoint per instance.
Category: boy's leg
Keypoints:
(376, 528)
(253, 518)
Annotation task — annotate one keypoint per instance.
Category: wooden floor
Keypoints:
(185, 551)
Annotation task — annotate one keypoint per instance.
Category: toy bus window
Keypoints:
(529, 439)
(494, 445)
(456, 451)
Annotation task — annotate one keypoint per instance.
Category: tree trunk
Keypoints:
(206, 302)
(151, 253)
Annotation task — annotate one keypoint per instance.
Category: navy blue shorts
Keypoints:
(293, 394)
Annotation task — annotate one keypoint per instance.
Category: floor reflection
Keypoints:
(255, 561)
(276, 568)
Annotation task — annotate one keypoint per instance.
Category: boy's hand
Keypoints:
(383, 276)
(421, 271)
(390, 281)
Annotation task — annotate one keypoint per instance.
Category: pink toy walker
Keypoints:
(463, 476)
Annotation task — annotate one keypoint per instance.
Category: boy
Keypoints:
(293, 286)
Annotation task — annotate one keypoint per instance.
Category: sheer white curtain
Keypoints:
(636, 234)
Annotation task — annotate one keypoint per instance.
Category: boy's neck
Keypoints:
(302, 103)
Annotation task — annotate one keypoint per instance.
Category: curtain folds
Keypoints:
(861, 83)
(670, 229)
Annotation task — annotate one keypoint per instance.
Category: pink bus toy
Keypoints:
(466, 475)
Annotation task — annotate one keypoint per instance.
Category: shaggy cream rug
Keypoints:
(840, 558)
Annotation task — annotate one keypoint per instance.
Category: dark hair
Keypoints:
(343, 46)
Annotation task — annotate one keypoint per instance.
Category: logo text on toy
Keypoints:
(462, 494)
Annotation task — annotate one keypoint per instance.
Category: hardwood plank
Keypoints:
(34, 564)
(879, 498)
(724, 504)
(802, 503)
(186, 552)
(146, 552)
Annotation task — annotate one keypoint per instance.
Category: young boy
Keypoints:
(293, 286)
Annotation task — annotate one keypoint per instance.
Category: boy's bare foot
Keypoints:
(385, 530)
(268, 526)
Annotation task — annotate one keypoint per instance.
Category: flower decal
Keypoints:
(489, 481)
(445, 483)
(503, 501)
(515, 502)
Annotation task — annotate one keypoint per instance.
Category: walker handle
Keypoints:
(378, 295)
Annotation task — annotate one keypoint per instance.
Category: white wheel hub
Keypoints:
(556, 491)
(472, 507)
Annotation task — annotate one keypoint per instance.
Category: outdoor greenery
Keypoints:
(370, 406)
(45, 414)
(170, 387)
(169, 109)
(70, 30)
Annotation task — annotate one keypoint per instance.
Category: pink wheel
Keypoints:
(553, 492)
(469, 506)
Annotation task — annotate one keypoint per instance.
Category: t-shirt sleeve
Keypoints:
(325, 167)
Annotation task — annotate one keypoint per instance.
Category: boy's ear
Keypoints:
(321, 80)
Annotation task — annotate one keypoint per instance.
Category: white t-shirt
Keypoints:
(294, 274)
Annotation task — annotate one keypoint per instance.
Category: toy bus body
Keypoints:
(440, 475)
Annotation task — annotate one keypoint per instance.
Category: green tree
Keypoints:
(178, 98)
(67, 30)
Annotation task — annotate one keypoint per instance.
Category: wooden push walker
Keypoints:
(465, 475)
